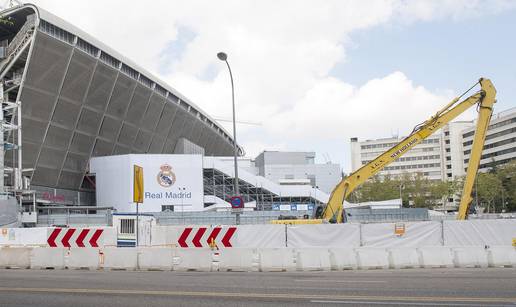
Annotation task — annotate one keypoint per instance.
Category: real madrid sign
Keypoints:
(170, 180)
(166, 177)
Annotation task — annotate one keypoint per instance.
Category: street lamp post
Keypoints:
(181, 189)
(401, 202)
(224, 57)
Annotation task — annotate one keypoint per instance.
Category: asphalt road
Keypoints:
(410, 287)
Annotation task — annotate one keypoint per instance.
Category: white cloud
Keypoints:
(281, 53)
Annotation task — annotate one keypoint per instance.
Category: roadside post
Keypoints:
(137, 193)
(237, 206)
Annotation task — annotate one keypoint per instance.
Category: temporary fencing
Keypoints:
(479, 232)
(259, 259)
(470, 256)
(323, 235)
(478, 243)
(350, 235)
(219, 236)
(411, 234)
(23, 236)
(313, 259)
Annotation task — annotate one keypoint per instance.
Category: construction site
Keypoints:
(106, 168)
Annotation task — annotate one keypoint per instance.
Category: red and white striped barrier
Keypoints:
(74, 237)
(204, 236)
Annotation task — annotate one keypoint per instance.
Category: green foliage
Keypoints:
(7, 21)
(415, 190)
(489, 186)
(506, 199)
(496, 190)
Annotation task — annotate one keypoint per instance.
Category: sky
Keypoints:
(314, 73)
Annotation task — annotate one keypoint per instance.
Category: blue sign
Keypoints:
(293, 207)
(237, 202)
(310, 207)
(275, 207)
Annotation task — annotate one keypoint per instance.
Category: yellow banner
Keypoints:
(138, 184)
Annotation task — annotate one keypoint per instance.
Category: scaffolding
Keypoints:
(218, 184)
(14, 54)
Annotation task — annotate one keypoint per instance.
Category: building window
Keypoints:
(108, 59)
(56, 32)
(127, 226)
(87, 47)
(169, 208)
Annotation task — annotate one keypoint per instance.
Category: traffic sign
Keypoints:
(138, 184)
(237, 202)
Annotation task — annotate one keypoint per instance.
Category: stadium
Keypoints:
(80, 99)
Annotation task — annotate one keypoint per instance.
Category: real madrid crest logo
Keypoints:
(166, 178)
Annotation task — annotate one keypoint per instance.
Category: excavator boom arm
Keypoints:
(333, 211)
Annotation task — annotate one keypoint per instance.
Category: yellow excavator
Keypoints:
(333, 212)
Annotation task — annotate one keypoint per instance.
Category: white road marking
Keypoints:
(340, 280)
(402, 303)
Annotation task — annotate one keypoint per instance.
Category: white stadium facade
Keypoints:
(81, 99)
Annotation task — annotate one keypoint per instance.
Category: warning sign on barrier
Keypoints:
(74, 237)
(399, 229)
(206, 237)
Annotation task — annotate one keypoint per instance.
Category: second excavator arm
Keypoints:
(485, 98)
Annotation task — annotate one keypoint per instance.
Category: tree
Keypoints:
(507, 175)
(489, 188)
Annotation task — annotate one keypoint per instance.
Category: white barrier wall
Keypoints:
(165, 235)
(381, 235)
(479, 232)
(224, 236)
(416, 234)
(24, 236)
(40, 236)
(324, 235)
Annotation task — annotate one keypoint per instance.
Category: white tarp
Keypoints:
(270, 236)
(324, 235)
(416, 234)
(479, 232)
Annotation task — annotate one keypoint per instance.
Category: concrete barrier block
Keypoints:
(276, 259)
(120, 258)
(470, 256)
(15, 257)
(343, 259)
(372, 258)
(155, 258)
(192, 259)
(313, 259)
(401, 258)
(237, 259)
(47, 258)
(435, 256)
(501, 256)
(83, 258)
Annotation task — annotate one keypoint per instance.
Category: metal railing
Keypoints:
(223, 218)
(23, 34)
